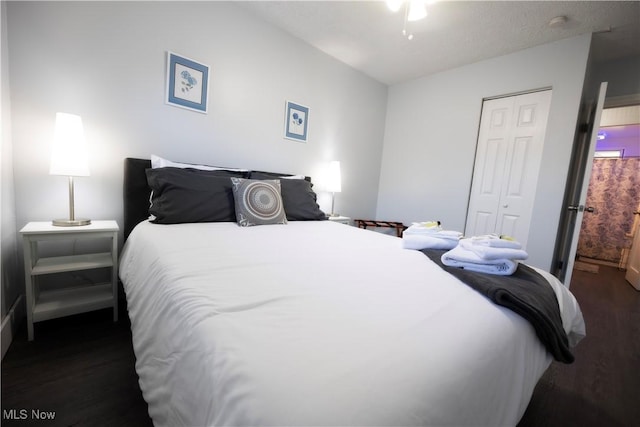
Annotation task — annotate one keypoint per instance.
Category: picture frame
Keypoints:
(187, 83)
(296, 122)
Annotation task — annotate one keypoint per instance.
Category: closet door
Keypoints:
(508, 157)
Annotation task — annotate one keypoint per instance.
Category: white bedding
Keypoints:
(318, 323)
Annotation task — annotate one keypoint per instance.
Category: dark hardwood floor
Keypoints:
(82, 368)
(602, 386)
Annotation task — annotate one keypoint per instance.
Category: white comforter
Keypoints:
(318, 323)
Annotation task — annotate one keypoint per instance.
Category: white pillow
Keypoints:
(159, 162)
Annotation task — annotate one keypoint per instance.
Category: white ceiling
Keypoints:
(368, 36)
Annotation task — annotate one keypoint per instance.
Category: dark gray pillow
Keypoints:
(190, 195)
(258, 202)
(300, 201)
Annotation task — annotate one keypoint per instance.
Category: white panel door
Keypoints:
(489, 167)
(509, 153)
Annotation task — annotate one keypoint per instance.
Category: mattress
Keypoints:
(318, 323)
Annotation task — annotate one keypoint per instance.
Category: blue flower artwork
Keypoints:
(297, 119)
(187, 83)
(296, 122)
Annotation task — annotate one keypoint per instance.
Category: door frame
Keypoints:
(576, 187)
(580, 165)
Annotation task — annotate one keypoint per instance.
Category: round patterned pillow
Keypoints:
(258, 202)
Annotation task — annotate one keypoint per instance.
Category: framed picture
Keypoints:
(187, 83)
(296, 122)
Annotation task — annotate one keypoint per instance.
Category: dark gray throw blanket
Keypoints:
(526, 293)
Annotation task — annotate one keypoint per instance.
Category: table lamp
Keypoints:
(334, 182)
(69, 158)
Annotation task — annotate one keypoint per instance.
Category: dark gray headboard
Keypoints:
(136, 191)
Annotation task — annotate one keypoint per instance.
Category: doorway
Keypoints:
(609, 223)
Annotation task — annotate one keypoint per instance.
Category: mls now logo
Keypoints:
(25, 414)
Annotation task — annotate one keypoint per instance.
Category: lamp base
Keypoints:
(71, 222)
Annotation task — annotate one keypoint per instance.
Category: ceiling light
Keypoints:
(394, 5)
(414, 10)
(417, 10)
(609, 154)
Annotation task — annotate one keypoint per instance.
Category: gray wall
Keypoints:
(11, 285)
(431, 134)
(106, 62)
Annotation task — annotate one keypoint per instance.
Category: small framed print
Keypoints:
(296, 125)
(187, 83)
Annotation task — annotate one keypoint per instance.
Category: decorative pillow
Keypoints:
(189, 195)
(258, 202)
(273, 175)
(298, 198)
(159, 162)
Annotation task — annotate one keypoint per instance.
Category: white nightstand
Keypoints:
(341, 219)
(51, 304)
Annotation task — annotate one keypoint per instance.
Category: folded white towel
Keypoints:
(424, 241)
(449, 234)
(495, 241)
(428, 227)
(461, 257)
(443, 234)
(489, 252)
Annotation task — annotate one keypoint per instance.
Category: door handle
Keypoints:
(581, 208)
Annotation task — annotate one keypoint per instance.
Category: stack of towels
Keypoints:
(429, 235)
(490, 253)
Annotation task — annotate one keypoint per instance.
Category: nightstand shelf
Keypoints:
(61, 264)
(72, 300)
(50, 304)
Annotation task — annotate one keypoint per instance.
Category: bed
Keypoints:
(313, 323)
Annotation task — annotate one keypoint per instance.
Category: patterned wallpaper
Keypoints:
(614, 192)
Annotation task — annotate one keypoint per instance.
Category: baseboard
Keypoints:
(598, 261)
(586, 266)
(10, 323)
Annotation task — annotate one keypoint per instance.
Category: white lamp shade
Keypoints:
(69, 154)
(334, 180)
